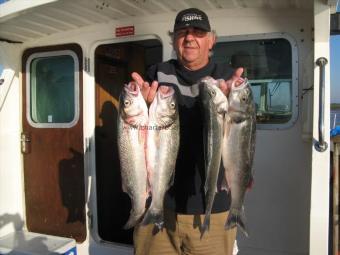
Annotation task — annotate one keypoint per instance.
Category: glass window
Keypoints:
(334, 78)
(53, 90)
(267, 64)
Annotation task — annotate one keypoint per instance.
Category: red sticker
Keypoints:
(124, 31)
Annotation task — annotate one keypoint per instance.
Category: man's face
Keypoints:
(192, 46)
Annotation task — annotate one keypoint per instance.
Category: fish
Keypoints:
(162, 147)
(214, 106)
(131, 138)
(238, 150)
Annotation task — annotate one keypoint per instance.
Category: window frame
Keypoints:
(295, 71)
(76, 88)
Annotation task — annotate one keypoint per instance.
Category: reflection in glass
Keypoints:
(267, 64)
(52, 90)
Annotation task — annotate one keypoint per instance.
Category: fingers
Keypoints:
(145, 88)
(236, 78)
(148, 91)
(152, 92)
(224, 87)
(137, 78)
(237, 74)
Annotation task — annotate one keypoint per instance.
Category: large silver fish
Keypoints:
(162, 148)
(132, 123)
(214, 106)
(238, 150)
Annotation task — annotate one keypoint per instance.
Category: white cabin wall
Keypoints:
(279, 199)
(320, 187)
(11, 177)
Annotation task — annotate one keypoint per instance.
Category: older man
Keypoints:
(184, 203)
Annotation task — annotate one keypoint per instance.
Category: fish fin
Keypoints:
(154, 217)
(236, 218)
(226, 125)
(172, 179)
(250, 183)
(124, 187)
(224, 185)
(227, 180)
(142, 132)
(205, 188)
(133, 220)
(148, 182)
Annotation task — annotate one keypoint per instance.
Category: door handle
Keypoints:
(321, 145)
(25, 143)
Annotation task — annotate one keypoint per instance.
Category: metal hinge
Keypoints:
(90, 219)
(87, 64)
(88, 144)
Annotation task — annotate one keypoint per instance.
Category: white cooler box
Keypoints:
(29, 243)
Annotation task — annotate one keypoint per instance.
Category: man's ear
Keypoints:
(212, 40)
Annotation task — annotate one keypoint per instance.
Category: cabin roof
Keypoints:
(23, 21)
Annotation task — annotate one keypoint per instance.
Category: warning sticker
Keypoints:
(124, 31)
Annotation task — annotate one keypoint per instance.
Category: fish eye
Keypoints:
(127, 102)
(172, 104)
(213, 92)
(244, 98)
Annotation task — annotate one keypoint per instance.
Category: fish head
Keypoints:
(132, 106)
(212, 94)
(241, 98)
(164, 108)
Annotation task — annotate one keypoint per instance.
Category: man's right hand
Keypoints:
(148, 91)
(236, 78)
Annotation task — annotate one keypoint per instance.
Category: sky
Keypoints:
(335, 68)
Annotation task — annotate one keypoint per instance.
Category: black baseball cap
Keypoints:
(192, 17)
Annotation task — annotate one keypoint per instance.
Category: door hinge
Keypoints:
(25, 142)
(90, 219)
(87, 144)
(87, 64)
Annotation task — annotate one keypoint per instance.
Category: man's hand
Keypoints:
(225, 86)
(148, 92)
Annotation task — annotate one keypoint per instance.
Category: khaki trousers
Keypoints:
(181, 236)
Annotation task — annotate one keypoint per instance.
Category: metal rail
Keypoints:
(321, 145)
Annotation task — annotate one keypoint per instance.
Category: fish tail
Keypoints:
(132, 221)
(206, 225)
(154, 217)
(236, 218)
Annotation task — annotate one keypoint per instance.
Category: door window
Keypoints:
(269, 65)
(53, 89)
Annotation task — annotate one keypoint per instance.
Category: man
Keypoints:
(184, 203)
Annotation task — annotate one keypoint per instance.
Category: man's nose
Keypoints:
(188, 35)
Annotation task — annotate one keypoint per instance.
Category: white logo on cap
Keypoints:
(191, 16)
